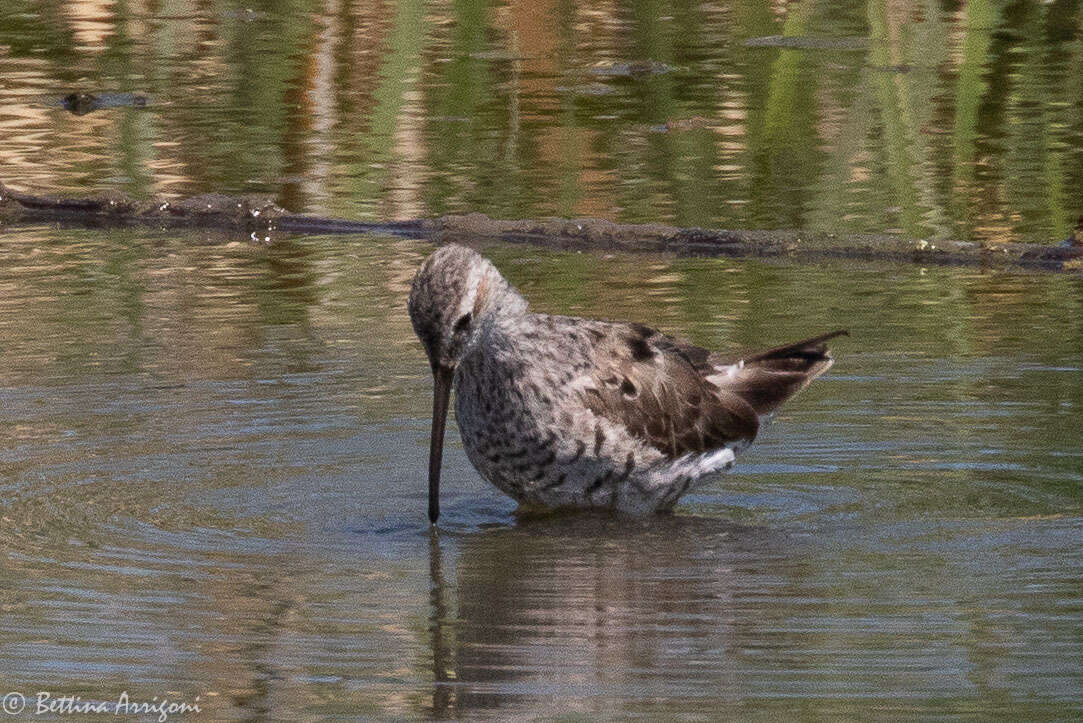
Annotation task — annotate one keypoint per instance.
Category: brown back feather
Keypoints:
(658, 388)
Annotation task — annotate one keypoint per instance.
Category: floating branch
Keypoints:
(261, 220)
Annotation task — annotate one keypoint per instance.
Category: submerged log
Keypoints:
(258, 218)
(261, 220)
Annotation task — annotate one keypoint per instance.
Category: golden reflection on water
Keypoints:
(938, 121)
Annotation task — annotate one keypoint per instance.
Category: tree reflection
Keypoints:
(946, 120)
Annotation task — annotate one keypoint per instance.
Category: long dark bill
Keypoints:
(441, 394)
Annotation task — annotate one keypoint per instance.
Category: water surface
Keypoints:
(212, 483)
(213, 453)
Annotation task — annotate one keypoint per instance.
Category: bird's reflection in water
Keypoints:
(443, 665)
(577, 608)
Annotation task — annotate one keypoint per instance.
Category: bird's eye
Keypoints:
(462, 323)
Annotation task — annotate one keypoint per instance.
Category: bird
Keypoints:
(568, 413)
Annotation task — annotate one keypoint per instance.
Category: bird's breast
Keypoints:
(506, 425)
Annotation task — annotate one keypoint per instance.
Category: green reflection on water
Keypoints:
(952, 120)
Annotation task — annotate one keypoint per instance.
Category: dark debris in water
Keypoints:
(80, 103)
(260, 219)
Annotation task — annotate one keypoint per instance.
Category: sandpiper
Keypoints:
(562, 412)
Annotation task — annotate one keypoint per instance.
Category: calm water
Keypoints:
(213, 454)
(930, 119)
(212, 465)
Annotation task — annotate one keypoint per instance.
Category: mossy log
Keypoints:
(261, 220)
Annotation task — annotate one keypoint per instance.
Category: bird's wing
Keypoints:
(657, 388)
(681, 398)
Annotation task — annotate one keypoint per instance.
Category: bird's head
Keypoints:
(456, 291)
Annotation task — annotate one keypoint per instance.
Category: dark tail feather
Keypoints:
(766, 379)
(811, 349)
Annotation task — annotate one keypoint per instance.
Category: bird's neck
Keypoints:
(498, 310)
(496, 299)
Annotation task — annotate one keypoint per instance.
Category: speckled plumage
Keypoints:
(563, 412)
